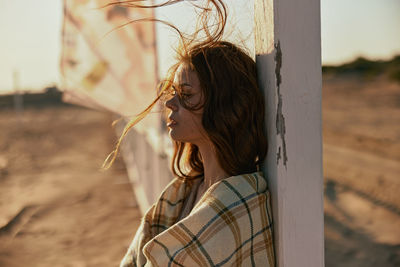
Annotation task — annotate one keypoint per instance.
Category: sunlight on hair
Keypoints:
(208, 33)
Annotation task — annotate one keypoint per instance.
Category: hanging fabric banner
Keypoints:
(108, 67)
(103, 65)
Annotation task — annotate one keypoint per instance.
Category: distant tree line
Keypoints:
(368, 68)
(50, 97)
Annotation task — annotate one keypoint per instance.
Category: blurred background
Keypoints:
(58, 209)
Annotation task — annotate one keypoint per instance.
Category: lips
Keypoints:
(171, 122)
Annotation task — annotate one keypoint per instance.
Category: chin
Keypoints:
(182, 135)
(174, 135)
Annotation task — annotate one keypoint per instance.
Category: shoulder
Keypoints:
(175, 192)
(243, 185)
(236, 190)
(165, 212)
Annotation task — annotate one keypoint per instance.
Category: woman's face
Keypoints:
(185, 125)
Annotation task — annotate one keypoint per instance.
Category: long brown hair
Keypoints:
(233, 106)
(233, 110)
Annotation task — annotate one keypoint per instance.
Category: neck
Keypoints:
(213, 172)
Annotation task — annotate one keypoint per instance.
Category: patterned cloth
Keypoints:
(231, 225)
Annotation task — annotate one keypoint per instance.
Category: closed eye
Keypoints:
(186, 95)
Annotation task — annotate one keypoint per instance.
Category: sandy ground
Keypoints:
(362, 172)
(58, 209)
(61, 210)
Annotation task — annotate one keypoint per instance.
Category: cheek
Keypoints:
(196, 123)
(191, 126)
(190, 129)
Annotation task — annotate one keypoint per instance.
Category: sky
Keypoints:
(30, 34)
(352, 28)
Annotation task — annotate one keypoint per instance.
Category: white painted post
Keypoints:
(288, 56)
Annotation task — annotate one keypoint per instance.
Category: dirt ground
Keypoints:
(58, 209)
(361, 155)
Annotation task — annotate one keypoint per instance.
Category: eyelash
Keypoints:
(185, 96)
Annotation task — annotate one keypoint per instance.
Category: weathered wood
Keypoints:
(288, 55)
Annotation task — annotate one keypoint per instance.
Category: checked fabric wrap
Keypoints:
(231, 225)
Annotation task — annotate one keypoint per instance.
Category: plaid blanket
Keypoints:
(231, 225)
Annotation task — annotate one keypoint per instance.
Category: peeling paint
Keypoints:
(278, 156)
(280, 119)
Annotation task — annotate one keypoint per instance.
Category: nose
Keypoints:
(172, 103)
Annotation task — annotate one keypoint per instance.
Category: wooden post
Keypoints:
(288, 56)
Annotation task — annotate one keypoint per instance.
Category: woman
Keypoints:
(217, 210)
